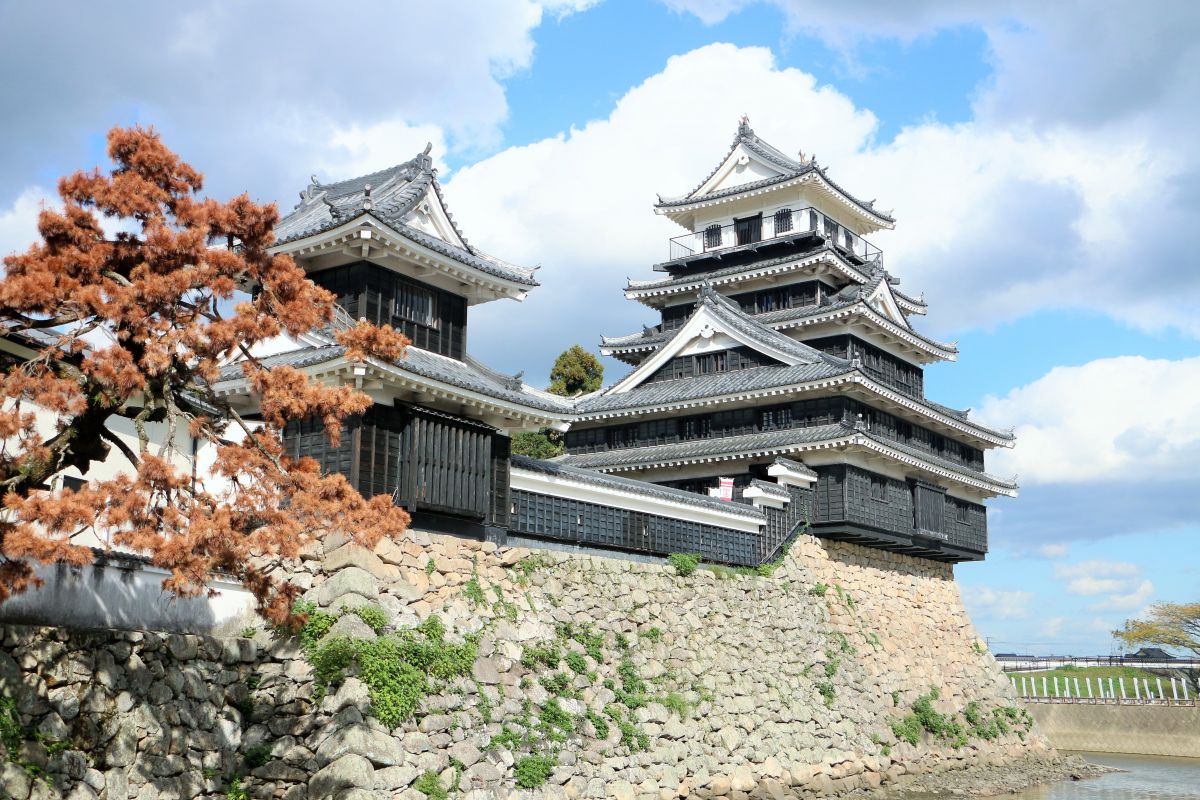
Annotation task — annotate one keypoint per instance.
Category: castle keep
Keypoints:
(783, 360)
(785, 348)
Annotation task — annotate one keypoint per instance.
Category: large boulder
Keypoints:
(351, 580)
(377, 746)
(348, 772)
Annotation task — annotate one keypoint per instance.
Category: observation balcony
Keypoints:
(749, 235)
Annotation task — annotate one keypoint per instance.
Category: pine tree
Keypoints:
(131, 329)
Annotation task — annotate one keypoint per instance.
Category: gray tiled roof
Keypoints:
(614, 482)
(908, 298)
(811, 364)
(699, 448)
(796, 466)
(755, 443)
(713, 275)
(790, 167)
(303, 357)
(953, 412)
(768, 487)
(393, 194)
(747, 380)
(468, 374)
(651, 336)
(814, 365)
(944, 463)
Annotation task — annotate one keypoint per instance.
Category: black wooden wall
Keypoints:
(798, 414)
(889, 370)
(793, 295)
(434, 319)
(912, 515)
(593, 525)
(694, 366)
(425, 460)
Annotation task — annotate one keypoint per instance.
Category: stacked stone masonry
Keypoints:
(745, 662)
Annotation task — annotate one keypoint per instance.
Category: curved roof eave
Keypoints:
(494, 268)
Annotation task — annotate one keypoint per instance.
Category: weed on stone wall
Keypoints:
(399, 669)
(946, 727)
(539, 733)
(684, 563)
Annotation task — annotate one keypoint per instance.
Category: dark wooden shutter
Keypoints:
(929, 503)
(748, 230)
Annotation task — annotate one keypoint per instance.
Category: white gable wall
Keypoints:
(430, 216)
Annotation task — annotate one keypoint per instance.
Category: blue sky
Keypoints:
(1041, 163)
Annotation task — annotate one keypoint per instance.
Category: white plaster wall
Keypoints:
(126, 595)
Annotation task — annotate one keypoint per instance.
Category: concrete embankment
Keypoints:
(1138, 730)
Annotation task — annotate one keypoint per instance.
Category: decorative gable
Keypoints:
(719, 327)
(883, 300)
(740, 167)
(429, 215)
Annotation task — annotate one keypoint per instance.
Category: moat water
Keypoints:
(1143, 778)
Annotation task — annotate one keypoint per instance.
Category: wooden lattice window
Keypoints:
(712, 236)
(783, 221)
(878, 488)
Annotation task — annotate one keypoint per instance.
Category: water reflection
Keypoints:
(1146, 778)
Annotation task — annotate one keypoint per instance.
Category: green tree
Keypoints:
(1170, 625)
(576, 371)
(543, 444)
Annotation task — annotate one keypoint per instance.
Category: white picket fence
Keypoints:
(1137, 691)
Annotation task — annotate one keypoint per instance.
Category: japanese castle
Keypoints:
(785, 348)
(783, 361)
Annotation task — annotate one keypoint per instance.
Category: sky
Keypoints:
(1040, 158)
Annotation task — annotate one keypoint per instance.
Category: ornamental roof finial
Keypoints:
(744, 126)
(423, 160)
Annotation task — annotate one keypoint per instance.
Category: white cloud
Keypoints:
(1051, 626)
(1097, 568)
(18, 223)
(1120, 600)
(988, 603)
(1090, 586)
(1052, 550)
(1127, 418)
(1118, 584)
(358, 150)
(260, 95)
(1081, 139)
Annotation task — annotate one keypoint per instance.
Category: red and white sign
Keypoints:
(725, 488)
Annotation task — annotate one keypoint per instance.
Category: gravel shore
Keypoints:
(990, 781)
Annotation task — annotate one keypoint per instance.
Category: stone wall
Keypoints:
(592, 676)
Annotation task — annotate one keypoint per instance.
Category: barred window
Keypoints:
(711, 363)
(777, 418)
(415, 304)
(712, 236)
(783, 221)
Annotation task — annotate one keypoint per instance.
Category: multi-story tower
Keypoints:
(785, 348)
(436, 438)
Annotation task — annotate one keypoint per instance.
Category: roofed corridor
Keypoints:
(784, 225)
